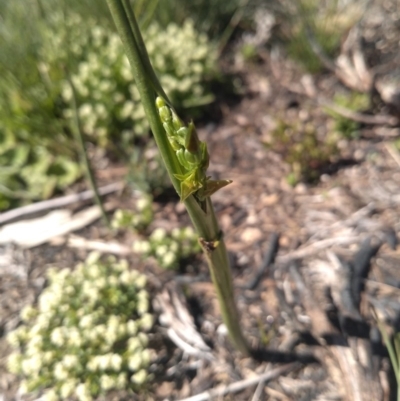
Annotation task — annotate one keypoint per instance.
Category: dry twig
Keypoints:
(241, 385)
(358, 117)
(57, 202)
(307, 88)
(393, 152)
(310, 249)
(115, 248)
(181, 328)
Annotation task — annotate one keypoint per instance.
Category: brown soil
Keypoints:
(312, 305)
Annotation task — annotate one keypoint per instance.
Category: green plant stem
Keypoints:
(84, 158)
(233, 23)
(396, 341)
(393, 350)
(390, 348)
(205, 223)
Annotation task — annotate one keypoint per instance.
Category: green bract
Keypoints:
(191, 153)
(169, 249)
(87, 334)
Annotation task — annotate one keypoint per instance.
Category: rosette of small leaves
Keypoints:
(137, 219)
(31, 172)
(87, 334)
(110, 106)
(169, 248)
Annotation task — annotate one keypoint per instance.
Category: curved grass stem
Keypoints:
(84, 157)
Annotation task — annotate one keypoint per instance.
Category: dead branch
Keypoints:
(350, 67)
(115, 248)
(393, 152)
(241, 385)
(57, 202)
(181, 328)
(309, 250)
(307, 88)
(358, 117)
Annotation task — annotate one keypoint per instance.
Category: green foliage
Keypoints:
(88, 333)
(354, 101)
(299, 48)
(42, 45)
(211, 16)
(309, 23)
(37, 156)
(138, 218)
(31, 171)
(302, 149)
(248, 51)
(168, 249)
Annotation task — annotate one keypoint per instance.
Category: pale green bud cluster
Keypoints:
(138, 218)
(168, 248)
(109, 102)
(184, 59)
(87, 335)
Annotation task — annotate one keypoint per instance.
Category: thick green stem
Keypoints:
(205, 222)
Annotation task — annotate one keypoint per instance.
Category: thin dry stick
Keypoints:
(353, 72)
(103, 247)
(358, 117)
(57, 202)
(260, 386)
(377, 284)
(342, 111)
(258, 393)
(316, 246)
(241, 385)
(186, 347)
(393, 152)
(379, 119)
(233, 23)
